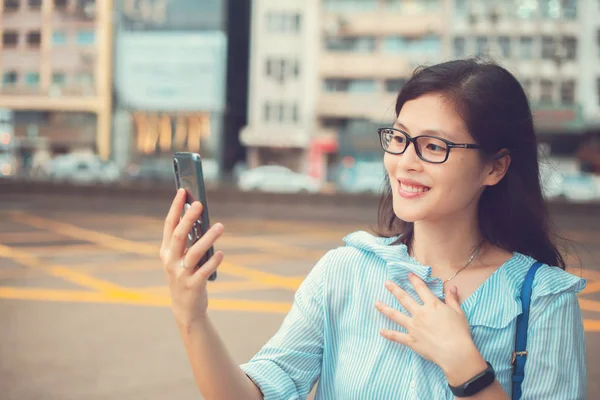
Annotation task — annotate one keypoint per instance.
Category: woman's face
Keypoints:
(424, 191)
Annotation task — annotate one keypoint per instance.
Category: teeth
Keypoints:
(413, 189)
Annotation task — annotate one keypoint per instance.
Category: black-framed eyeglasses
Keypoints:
(431, 149)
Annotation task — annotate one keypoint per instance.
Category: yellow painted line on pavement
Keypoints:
(124, 245)
(65, 273)
(155, 301)
(591, 325)
(590, 288)
(213, 287)
(589, 305)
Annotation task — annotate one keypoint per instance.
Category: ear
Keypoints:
(497, 168)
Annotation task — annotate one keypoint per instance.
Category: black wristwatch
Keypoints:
(475, 384)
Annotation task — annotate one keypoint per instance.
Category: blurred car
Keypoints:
(581, 187)
(157, 170)
(361, 177)
(82, 168)
(277, 179)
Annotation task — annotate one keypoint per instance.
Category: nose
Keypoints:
(409, 160)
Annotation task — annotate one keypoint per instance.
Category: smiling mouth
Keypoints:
(413, 188)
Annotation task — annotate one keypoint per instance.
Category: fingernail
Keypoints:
(218, 227)
(378, 304)
(388, 284)
(411, 275)
(453, 289)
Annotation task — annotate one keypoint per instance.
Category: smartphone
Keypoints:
(189, 176)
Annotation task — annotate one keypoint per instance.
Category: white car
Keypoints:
(277, 179)
(83, 168)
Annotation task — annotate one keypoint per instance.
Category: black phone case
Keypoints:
(189, 176)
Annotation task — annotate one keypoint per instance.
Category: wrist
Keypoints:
(464, 366)
(188, 325)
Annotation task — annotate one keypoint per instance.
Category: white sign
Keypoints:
(171, 71)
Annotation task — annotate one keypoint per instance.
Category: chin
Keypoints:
(408, 213)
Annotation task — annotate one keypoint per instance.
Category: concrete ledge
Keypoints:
(225, 193)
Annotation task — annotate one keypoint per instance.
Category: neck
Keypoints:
(446, 245)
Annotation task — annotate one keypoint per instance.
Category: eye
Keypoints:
(435, 147)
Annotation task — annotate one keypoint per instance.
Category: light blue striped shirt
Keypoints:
(331, 334)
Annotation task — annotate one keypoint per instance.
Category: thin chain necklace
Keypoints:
(473, 256)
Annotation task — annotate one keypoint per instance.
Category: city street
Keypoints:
(85, 310)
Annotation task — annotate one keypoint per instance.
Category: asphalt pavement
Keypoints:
(85, 309)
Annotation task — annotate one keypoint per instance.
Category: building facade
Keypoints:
(325, 73)
(55, 63)
(170, 70)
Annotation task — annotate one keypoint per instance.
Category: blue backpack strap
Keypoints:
(520, 354)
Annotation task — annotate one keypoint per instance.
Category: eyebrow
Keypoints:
(433, 132)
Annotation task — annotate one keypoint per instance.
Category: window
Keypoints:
(11, 5)
(526, 48)
(460, 47)
(283, 22)
(570, 47)
(526, 9)
(569, 9)
(567, 92)
(482, 45)
(550, 9)
(34, 39)
(59, 38)
(504, 45)
(349, 85)
(9, 78)
(280, 69)
(267, 112)
(351, 5)
(86, 37)
(10, 39)
(359, 44)
(548, 48)
(34, 3)
(598, 41)
(461, 8)
(394, 85)
(295, 113)
(59, 78)
(60, 4)
(546, 91)
(296, 22)
(413, 45)
(32, 79)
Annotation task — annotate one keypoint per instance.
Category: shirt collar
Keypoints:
(398, 262)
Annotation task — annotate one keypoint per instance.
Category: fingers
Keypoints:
(396, 336)
(403, 297)
(179, 237)
(173, 218)
(422, 290)
(452, 299)
(197, 251)
(205, 271)
(393, 314)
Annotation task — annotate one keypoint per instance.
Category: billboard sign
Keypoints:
(172, 15)
(171, 71)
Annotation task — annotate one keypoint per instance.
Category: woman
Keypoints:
(434, 303)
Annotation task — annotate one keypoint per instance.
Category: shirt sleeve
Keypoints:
(555, 367)
(287, 367)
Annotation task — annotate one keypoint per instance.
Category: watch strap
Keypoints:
(475, 384)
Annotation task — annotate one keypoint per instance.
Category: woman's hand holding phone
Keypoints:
(187, 284)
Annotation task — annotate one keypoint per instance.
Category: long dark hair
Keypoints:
(512, 214)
